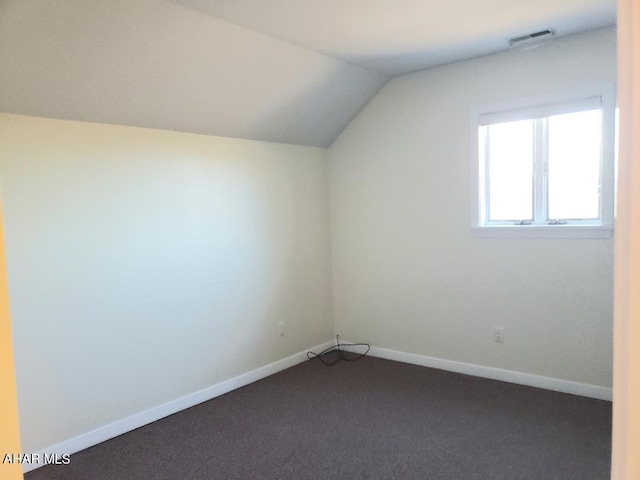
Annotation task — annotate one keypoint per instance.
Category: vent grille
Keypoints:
(530, 37)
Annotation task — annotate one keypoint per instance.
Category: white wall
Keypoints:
(408, 274)
(145, 265)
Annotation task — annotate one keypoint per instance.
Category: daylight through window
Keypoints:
(550, 165)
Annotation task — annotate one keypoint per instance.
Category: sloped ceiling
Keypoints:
(157, 64)
(400, 36)
(288, 71)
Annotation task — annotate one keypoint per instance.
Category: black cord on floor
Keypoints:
(341, 354)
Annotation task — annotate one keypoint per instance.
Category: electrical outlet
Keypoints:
(498, 335)
(281, 328)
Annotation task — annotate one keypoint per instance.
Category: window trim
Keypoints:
(540, 105)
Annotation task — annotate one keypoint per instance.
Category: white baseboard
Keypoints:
(548, 383)
(138, 420)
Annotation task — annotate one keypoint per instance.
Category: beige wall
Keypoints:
(626, 394)
(9, 430)
(408, 273)
(145, 265)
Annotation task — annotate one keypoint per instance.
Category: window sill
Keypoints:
(542, 231)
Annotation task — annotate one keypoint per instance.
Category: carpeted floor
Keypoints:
(369, 419)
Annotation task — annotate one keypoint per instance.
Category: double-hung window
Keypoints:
(544, 167)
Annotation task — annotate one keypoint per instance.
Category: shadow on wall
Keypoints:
(324, 100)
(320, 97)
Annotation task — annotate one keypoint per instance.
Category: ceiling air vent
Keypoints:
(531, 38)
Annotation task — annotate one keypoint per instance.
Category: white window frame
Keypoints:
(545, 105)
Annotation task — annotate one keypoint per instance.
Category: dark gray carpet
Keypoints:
(369, 419)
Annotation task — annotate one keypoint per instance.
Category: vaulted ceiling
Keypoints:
(289, 71)
(400, 36)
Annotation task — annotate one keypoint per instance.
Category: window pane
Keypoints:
(574, 165)
(510, 170)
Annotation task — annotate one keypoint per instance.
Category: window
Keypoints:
(544, 167)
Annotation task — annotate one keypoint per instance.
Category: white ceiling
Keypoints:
(288, 71)
(156, 64)
(399, 36)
